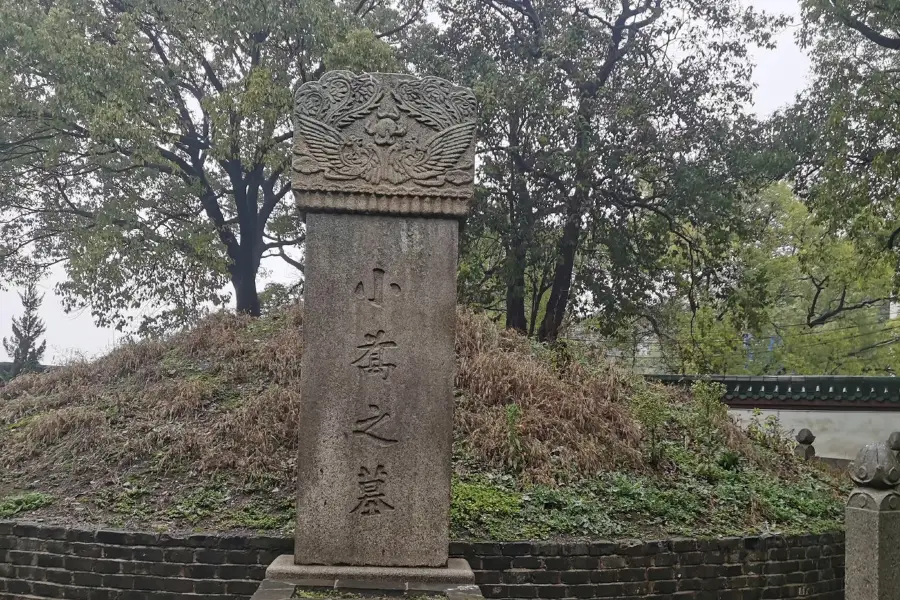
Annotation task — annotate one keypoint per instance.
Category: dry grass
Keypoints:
(221, 400)
(216, 398)
(520, 412)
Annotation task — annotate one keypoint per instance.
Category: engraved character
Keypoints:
(370, 426)
(376, 290)
(373, 360)
(371, 497)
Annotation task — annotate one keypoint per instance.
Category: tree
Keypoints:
(800, 300)
(25, 346)
(841, 135)
(144, 143)
(607, 127)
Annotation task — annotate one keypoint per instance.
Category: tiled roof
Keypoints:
(801, 392)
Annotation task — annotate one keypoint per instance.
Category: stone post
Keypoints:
(804, 447)
(872, 525)
(383, 171)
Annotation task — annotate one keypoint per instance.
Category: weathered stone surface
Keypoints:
(894, 441)
(873, 553)
(384, 143)
(872, 524)
(875, 467)
(320, 590)
(456, 572)
(805, 451)
(805, 436)
(377, 391)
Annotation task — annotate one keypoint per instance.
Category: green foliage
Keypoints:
(262, 516)
(585, 184)
(362, 51)
(202, 503)
(838, 142)
(617, 505)
(701, 484)
(130, 500)
(769, 433)
(513, 414)
(840, 134)
(709, 409)
(484, 510)
(650, 407)
(278, 295)
(798, 299)
(14, 505)
(146, 144)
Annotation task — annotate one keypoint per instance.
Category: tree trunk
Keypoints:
(515, 289)
(562, 279)
(246, 294)
(246, 264)
(568, 244)
(520, 226)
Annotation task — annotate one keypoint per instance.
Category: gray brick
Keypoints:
(107, 567)
(575, 577)
(184, 586)
(516, 549)
(106, 536)
(241, 588)
(148, 554)
(211, 557)
(59, 576)
(118, 552)
(119, 582)
(92, 580)
(242, 557)
(527, 562)
(50, 561)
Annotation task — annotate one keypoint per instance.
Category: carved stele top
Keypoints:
(876, 473)
(384, 143)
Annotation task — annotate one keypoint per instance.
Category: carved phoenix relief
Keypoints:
(384, 129)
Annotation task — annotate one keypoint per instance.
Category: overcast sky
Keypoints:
(779, 75)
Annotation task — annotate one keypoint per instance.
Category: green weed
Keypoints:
(481, 509)
(14, 505)
(262, 516)
(202, 503)
(131, 500)
(650, 407)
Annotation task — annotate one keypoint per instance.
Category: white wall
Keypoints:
(839, 434)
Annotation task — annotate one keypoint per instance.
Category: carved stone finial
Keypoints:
(805, 436)
(384, 143)
(875, 467)
(894, 441)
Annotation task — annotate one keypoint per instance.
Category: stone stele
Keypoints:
(383, 171)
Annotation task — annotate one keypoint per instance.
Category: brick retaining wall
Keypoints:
(810, 566)
(53, 562)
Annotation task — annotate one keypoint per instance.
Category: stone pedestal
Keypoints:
(383, 171)
(872, 525)
(284, 580)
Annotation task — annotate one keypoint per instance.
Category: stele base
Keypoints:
(286, 580)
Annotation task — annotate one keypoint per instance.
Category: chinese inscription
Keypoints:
(376, 291)
(371, 426)
(374, 358)
(371, 493)
(375, 426)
